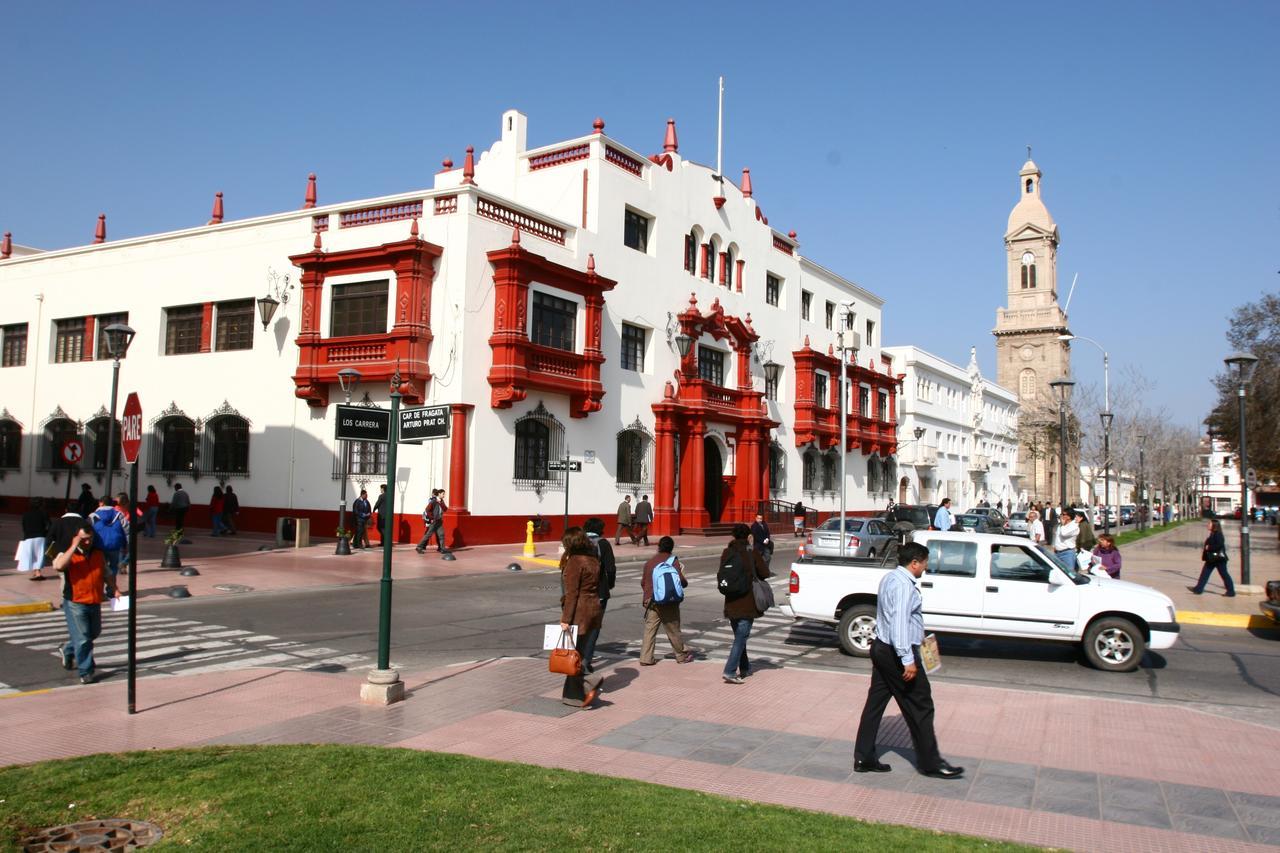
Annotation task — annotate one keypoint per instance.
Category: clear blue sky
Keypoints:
(888, 137)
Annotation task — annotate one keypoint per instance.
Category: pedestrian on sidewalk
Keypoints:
(624, 521)
(1086, 539)
(740, 565)
(429, 520)
(1052, 516)
(128, 515)
(152, 503)
(1214, 556)
(943, 519)
(1108, 554)
(641, 520)
(1035, 528)
(86, 504)
(761, 542)
(580, 607)
(898, 672)
(217, 504)
(797, 513)
(594, 528)
(377, 510)
(179, 504)
(1064, 544)
(108, 534)
(35, 531)
(63, 530)
(84, 576)
(230, 509)
(363, 512)
(664, 610)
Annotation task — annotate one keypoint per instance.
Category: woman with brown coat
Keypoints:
(580, 606)
(741, 611)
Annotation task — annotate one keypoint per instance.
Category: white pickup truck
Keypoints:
(994, 586)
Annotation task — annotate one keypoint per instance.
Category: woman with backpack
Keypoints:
(580, 606)
(663, 583)
(739, 566)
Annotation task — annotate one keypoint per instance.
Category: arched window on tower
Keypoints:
(1028, 271)
(1030, 184)
(1027, 384)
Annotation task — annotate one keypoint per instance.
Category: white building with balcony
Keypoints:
(957, 433)
(636, 313)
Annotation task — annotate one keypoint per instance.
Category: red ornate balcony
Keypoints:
(405, 347)
(518, 363)
(821, 425)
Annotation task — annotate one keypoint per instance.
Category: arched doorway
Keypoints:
(713, 472)
(902, 490)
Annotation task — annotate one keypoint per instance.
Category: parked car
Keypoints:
(867, 538)
(1128, 512)
(1271, 607)
(919, 516)
(1017, 525)
(975, 523)
(993, 586)
(995, 518)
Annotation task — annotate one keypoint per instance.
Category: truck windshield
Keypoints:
(1077, 577)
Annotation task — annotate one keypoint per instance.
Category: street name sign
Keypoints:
(131, 428)
(561, 465)
(424, 422)
(72, 452)
(362, 423)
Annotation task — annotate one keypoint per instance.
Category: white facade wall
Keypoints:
(292, 448)
(969, 448)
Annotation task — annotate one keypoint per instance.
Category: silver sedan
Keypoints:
(867, 537)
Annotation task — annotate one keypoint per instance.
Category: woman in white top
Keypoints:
(1064, 542)
(1035, 527)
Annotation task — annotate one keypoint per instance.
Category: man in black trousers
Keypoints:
(897, 671)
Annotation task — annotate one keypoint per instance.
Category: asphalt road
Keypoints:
(1232, 672)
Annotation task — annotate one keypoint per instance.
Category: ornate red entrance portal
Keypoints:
(681, 421)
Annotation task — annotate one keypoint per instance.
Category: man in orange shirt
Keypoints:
(84, 577)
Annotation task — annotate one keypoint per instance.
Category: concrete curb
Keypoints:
(30, 607)
(1224, 620)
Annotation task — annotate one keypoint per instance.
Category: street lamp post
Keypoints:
(1242, 364)
(1106, 416)
(918, 432)
(348, 378)
(1142, 480)
(846, 339)
(1063, 387)
(119, 336)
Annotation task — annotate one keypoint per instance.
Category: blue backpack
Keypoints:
(108, 530)
(666, 583)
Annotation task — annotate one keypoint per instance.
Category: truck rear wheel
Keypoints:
(1114, 645)
(857, 629)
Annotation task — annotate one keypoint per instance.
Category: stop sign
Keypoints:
(131, 428)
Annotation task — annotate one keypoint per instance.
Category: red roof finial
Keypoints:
(669, 143)
(831, 351)
(791, 234)
(469, 166)
(597, 126)
(6, 248)
(100, 233)
(806, 342)
(693, 300)
(515, 236)
(217, 209)
(413, 229)
(447, 163)
(746, 183)
(316, 242)
(591, 264)
(715, 306)
(748, 320)
(309, 200)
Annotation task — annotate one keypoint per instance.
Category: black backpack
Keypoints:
(732, 580)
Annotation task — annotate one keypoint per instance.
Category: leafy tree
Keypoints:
(1254, 327)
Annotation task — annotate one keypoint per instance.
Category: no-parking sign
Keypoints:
(72, 451)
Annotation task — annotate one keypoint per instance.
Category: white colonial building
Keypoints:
(958, 433)
(581, 299)
(1219, 477)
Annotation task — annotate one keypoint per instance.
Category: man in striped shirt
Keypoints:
(897, 671)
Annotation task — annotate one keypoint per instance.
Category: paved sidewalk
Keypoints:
(1042, 769)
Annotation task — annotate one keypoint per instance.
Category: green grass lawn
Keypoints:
(1135, 534)
(370, 798)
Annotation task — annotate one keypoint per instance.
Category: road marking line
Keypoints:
(1223, 620)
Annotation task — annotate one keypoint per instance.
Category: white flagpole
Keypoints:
(720, 133)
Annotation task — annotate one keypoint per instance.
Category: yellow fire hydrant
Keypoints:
(528, 540)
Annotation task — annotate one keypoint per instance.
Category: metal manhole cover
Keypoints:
(232, 587)
(108, 834)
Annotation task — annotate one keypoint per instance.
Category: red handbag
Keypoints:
(565, 659)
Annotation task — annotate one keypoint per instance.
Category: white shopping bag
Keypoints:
(551, 636)
(120, 605)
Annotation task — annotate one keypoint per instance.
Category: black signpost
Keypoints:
(361, 423)
(568, 466)
(424, 422)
